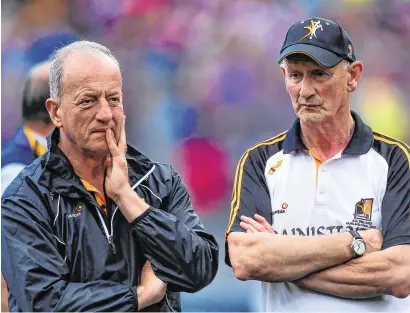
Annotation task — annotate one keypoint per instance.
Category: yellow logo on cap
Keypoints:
(312, 28)
(349, 50)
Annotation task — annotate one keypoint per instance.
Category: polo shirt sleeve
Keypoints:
(396, 200)
(250, 194)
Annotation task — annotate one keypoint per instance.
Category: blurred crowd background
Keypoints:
(201, 84)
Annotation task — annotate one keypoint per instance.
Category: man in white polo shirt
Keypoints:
(320, 214)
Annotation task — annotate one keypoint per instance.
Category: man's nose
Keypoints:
(104, 113)
(307, 89)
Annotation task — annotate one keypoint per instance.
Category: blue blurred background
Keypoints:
(201, 84)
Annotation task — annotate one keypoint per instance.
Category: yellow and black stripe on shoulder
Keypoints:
(261, 152)
(396, 199)
(386, 146)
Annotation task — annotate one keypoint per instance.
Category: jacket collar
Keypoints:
(58, 174)
(360, 143)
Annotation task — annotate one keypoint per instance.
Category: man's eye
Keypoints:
(115, 101)
(86, 101)
(294, 75)
(319, 74)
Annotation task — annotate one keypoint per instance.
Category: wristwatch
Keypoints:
(358, 245)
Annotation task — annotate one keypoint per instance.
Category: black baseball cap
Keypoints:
(324, 41)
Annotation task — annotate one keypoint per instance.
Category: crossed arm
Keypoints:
(322, 263)
(372, 275)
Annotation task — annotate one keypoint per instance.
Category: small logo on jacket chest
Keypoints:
(78, 210)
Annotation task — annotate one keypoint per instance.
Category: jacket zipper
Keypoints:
(107, 234)
(110, 237)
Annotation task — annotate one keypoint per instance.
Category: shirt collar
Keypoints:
(293, 141)
(37, 142)
(359, 144)
(362, 139)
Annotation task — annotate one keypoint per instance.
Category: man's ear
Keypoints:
(283, 71)
(355, 70)
(54, 110)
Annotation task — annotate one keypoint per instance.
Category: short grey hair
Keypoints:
(56, 69)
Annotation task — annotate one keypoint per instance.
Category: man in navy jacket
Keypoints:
(94, 225)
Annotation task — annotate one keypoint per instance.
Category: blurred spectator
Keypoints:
(44, 47)
(205, 166)
(30, 140)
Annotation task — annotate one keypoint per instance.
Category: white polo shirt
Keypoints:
(365, 186)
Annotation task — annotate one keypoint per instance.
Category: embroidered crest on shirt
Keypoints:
(362, 214)
(363, 209)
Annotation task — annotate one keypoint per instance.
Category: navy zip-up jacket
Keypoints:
(60, 252)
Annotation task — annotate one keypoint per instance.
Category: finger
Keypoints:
(114, 151)
(260, 219)
(265, 223)
(147, 264)
(266, 226)
(122, 143)
(254, 223)
(250, 221)
(249, 228)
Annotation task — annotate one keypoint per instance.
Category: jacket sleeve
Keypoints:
(181, 252)
(36, 273)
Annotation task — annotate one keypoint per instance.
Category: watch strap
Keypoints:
(355, 234)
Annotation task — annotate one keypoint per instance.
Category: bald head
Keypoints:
(74, 57)
(35, 93)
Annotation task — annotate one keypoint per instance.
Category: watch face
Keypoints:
(359, 247)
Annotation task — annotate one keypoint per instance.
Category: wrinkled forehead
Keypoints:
(81, 68)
